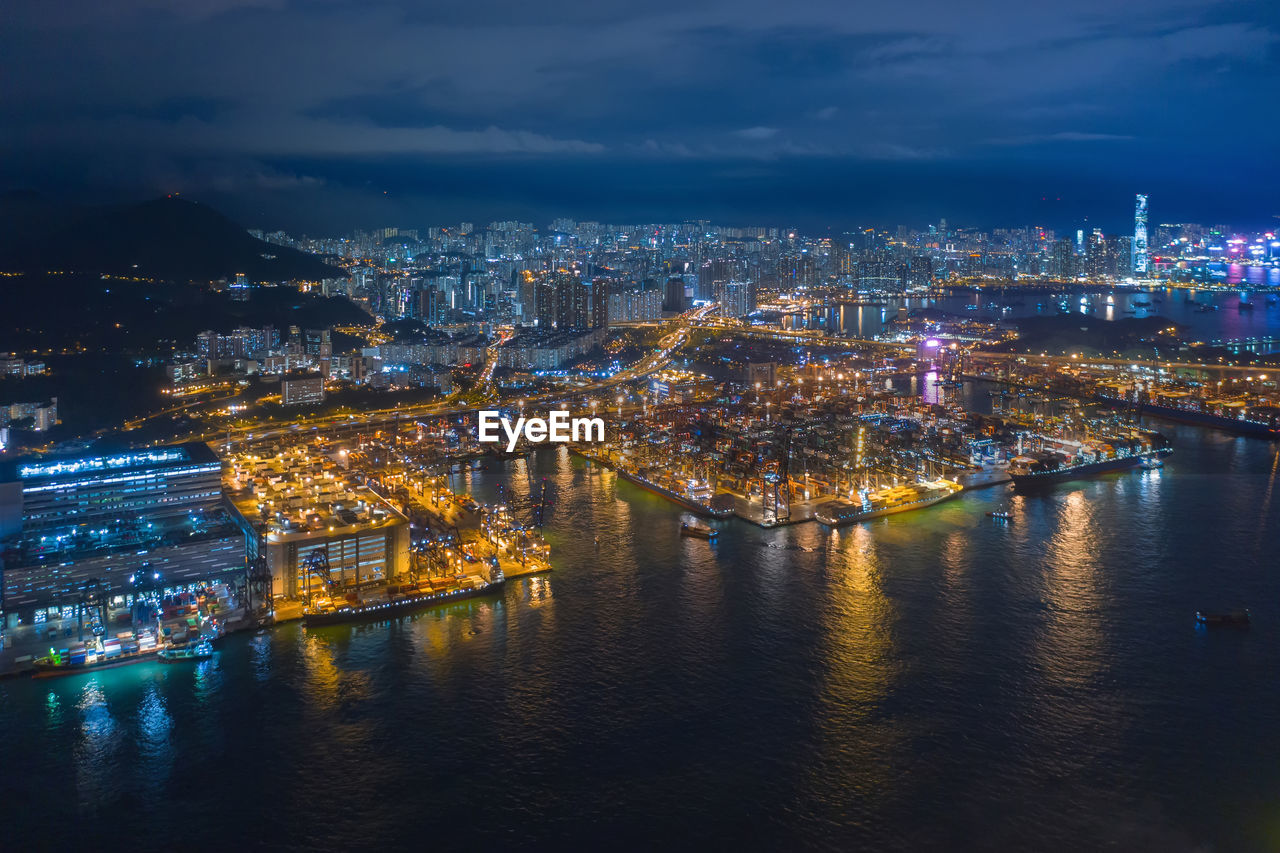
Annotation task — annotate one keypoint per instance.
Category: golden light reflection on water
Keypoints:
(956, 551)
(439, 631)
(326, 683)
(538, 591)
(856, 660)
(861, 616)
(1071, 648)
(435, 630)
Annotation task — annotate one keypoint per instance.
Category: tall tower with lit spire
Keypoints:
(1141, 260)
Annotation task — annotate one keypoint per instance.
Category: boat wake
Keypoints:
(775, 546)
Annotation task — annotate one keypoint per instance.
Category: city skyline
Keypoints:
(774, 227)
(730, 425)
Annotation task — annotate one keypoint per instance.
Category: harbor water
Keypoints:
(936, 680)
(1203, 315)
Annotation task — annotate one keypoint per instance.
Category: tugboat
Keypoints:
(1228, 617)
(200, 651)
(1150, 463)
(699, 531)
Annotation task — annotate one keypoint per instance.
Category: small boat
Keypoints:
(1244, 306)
(1228, 617)
(1150, 463)
(698, 530)
(200, 651)
(1001, 514)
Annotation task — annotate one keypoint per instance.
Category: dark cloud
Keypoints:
(294, 106)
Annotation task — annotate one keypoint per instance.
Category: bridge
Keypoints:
(1127, 363)
(798, 336)
(1257, 346)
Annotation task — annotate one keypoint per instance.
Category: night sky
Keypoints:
(333, 114)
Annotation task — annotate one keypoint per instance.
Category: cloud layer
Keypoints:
(327, 92)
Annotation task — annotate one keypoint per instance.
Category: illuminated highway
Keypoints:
(656, 360)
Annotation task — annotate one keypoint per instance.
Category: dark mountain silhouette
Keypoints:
(167, 239)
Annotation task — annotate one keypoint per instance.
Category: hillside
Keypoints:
(167, 239)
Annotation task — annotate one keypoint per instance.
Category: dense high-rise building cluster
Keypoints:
(559, 289)
(583, 275)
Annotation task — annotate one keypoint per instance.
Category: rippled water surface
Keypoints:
(1258, 329)
(934, 680)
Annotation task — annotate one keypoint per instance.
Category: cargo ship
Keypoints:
(100, 654)
(886, 502)
(1260, 422)
(702, 501)
(672, 495)
(73, 663)
(984, 475)
(396, 605)
(1063, 460)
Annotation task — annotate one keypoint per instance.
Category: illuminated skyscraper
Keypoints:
(1140, 257)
